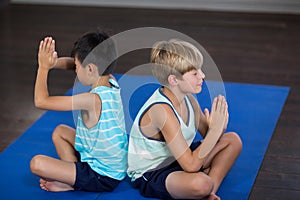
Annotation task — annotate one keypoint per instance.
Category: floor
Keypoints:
(248, 48)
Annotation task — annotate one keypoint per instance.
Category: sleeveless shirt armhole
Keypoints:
(142, 114)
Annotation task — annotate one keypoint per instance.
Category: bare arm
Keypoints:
(66, 63)
(163, 117)
(204, 126)
(47, 58)
(217, 121)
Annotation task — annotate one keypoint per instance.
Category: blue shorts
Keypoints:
(89, 180)
(153, 184)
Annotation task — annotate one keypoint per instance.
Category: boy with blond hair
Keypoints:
(163, 160)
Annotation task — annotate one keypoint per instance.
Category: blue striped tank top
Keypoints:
(104, 146)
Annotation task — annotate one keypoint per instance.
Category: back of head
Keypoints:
(97, 48)
(174, 57)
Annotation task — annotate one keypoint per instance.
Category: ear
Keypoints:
(92, 69)
(172, 79)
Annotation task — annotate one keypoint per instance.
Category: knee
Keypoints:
(202, 185)
(57, 133)
(36, 164)
(235, 141)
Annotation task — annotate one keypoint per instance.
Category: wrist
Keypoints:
(215, 130)
(43, 69)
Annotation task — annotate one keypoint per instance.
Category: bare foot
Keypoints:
(54, 186)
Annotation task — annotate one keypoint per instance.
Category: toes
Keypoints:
(43, 186)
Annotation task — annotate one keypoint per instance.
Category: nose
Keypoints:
(201, 74)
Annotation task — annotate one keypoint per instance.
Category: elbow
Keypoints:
(191, 163)
(191, 168)
(38, 103)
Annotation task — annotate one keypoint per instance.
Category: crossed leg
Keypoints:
(204, 185)
(63, 138)
(222, 157)
(57, 175)
(183, 185)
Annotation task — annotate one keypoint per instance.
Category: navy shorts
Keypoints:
(153, 184)
(89, 180)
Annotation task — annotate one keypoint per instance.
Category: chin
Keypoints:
(198, 90)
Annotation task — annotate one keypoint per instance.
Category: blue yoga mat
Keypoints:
(254, 111)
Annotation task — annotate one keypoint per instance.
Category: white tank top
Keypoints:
(147, 154)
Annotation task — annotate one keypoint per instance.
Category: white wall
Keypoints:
(273, 6)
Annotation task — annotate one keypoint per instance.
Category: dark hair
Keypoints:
(87, 49)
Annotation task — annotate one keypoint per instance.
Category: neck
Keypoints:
(102, 81)
(176, 96)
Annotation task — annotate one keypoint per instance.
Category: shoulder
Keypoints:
(162, 107)
(156, 117)
(86, 96)
(159, 104)
(85, 101)
(161, 113)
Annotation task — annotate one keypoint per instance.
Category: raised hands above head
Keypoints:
(47, 56)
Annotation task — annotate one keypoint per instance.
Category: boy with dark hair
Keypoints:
(94, 156)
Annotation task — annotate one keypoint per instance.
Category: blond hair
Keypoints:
(174, 57)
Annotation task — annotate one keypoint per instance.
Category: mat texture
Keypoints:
(254, 111)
